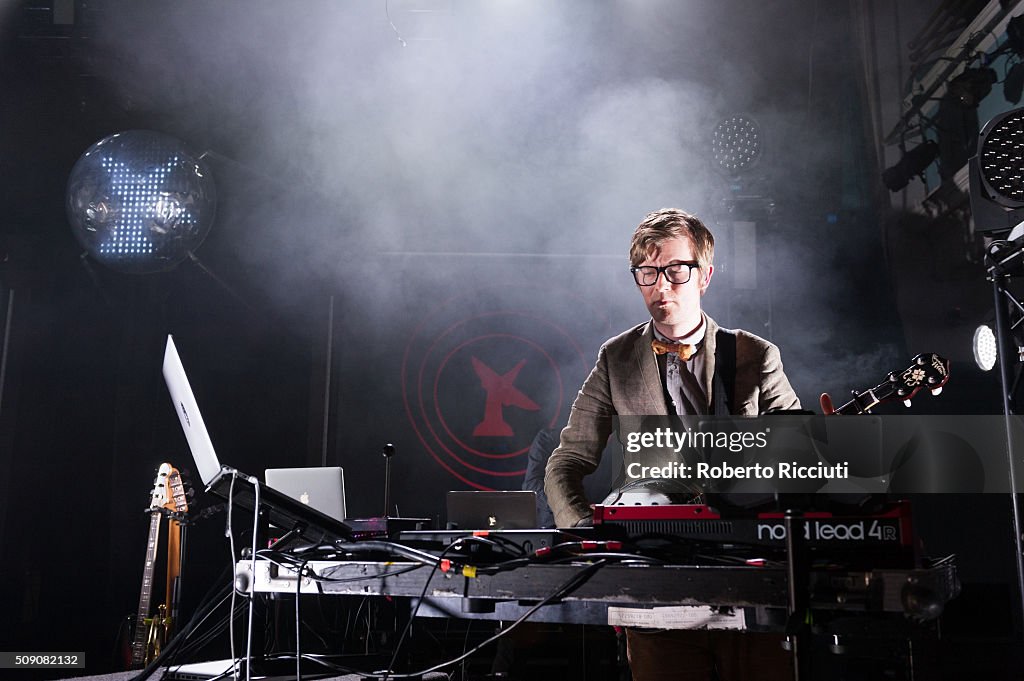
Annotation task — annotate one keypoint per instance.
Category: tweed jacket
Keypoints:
(626, 380)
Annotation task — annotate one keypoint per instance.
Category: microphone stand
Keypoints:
(388, 452)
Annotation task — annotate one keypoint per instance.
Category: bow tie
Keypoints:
(684, 350)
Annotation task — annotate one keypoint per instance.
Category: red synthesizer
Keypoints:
(887, 531)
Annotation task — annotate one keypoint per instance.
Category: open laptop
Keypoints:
(280, 509)
(468, 510)
(322, 488)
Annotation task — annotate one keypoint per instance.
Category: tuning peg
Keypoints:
(906, 403)
(937, 391)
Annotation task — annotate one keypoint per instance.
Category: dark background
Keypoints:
(388, 211)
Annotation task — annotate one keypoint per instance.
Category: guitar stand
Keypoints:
(182, 518)
(174, 600)
(175, 611)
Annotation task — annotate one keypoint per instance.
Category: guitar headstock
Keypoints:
(179, 498)
(168, 491)
(160, 496)
(926, 371)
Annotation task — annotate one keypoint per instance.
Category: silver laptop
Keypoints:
(282, 510)
(188, 413)
(322, 488)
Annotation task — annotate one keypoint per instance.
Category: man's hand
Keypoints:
(826, 404)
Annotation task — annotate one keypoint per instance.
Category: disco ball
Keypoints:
(140, 201)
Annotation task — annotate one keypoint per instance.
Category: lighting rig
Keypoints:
(996, 175)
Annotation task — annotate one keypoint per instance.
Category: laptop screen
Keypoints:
(188, 413)
(469, 510)
(322, 488)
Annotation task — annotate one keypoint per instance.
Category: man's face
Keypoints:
(675, 307)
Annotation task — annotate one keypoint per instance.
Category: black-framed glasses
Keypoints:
(676, 273)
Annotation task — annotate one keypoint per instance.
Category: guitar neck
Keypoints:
(927, 371)
(867, 400)
(139, 641)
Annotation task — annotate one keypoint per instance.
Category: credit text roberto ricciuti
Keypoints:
(705, 471)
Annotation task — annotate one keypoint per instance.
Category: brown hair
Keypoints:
(672, 223)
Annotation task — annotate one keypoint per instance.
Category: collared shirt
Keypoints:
(681, 378)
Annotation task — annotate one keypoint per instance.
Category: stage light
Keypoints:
(140, 201)
(997, 174)
(985, 353)
(911, 165)
(736, 144)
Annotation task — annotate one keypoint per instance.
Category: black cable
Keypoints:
(610, 555)
(230, 534)
(567, 587)
(570, 585)
(224, 674)
(198, 644)
(171, 646)
(252, 597)
(465, 644)
(310, 629)
(208, 604)
(422, 558)
(504, 566)
(505, 544)
(412, 615)
(390, 548)
(190, 646)
(169, 650)
(298, 623)
(457, 544)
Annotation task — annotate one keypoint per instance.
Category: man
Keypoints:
(680, 362)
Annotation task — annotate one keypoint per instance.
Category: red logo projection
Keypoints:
(478, 384)
(500, 393)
